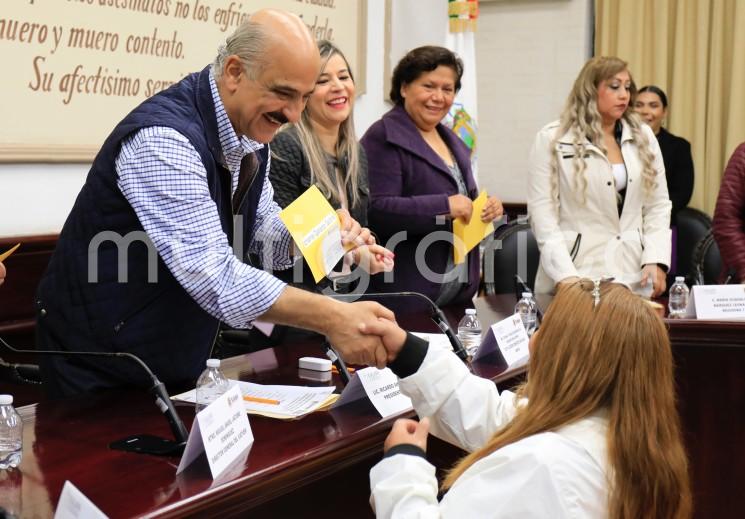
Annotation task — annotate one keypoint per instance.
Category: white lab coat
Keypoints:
(559, 474)
(587, 238)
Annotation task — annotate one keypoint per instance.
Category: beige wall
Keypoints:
(528, 53)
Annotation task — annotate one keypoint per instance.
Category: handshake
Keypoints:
(365, 333)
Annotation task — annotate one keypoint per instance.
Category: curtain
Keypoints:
(695, 51)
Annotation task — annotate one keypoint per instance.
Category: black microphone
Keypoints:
(437, 316)
(143, 443)
(337, 361)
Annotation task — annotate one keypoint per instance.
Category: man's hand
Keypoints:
(492, 210)
(460, 207)
(652, 273)
(373, 258)
(352, 232)
(2, 273)
(411, 432)
(345, 335)
(390, 333)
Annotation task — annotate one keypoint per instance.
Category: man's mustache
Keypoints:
(278, 116)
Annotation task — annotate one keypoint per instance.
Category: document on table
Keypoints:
(282, 402)
(467, 235)
(314, 225)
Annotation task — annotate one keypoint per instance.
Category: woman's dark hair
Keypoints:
(421, 60)
(655, 90)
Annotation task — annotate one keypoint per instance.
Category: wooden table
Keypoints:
(318, 465)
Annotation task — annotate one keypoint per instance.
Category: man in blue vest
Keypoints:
(145, 262)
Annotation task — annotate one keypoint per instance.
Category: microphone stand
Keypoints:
(436, 315)
(142, 443)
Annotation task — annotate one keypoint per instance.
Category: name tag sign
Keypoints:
(509, 338)
(718, 302)
(221, 430)
(380, 386)
(73, 504)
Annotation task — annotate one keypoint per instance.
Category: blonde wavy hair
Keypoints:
(582, 118)
(615, 356)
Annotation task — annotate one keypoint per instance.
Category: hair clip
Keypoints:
(596, 290)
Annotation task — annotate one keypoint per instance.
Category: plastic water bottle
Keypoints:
(678, 298)
(11, 434)
(469, 331)
(211, 385)
(527, 309)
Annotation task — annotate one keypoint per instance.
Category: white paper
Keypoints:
(719, 302)
(380, 386)
(509, 337)
(294, 401)
(73, 504)
(438, 340)
(221, 430)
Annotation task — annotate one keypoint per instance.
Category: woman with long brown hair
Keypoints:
(593, 432)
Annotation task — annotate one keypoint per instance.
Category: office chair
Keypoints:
(707, 262)
(693, 225)
(512, 250)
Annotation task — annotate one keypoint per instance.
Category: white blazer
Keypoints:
(587, 238)
(560, 474)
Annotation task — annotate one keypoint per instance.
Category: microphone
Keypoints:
(437, 316)
(337, 361)
(143, 443)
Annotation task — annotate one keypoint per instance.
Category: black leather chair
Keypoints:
(512, 250)
(693, 225)
(707, 262)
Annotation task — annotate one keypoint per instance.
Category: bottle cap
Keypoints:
(6, 399)
(470, 311)
(527, 294)
(680, 279)
(213, 363)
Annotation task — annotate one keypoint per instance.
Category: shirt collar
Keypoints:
(234, 148)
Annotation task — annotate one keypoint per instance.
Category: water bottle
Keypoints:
(528, 311)
(11, 434)
(210, 385)
(678, 298)
(469, 331)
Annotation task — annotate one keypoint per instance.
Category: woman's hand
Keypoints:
(351, 231)
(391, 335)
(492, 209)
(373, 258)
(2, 273)
(460, 207)
(411, 432)
(654, 274)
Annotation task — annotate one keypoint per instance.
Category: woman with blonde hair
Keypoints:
(322, 149)
(593, 432)
(597, 196)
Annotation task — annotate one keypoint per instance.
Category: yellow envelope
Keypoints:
(467, 236)
(9, 252)
(315, 227)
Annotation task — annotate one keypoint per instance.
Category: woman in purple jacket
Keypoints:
(420, 179)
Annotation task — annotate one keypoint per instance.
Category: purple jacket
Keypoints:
(409, 188)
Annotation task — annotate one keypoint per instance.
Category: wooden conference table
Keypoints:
(317, 466)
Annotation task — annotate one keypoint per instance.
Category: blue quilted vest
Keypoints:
(159, 322)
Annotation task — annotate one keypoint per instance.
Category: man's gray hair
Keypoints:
(248, 42)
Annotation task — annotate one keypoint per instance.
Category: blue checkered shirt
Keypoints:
(162, 177)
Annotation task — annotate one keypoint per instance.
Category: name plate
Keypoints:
(717, 302)
(380, 386)
(509, 338)
(73, 504)
(221, 430)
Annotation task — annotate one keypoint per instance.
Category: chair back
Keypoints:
(707, 261)
(693, 225)
(511, 250)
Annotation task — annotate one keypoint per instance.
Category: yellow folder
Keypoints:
(467, 235)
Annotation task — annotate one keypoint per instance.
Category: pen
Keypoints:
(334, 369)
(260, 400)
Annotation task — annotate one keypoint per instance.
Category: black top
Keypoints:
(290, 173)
(676, 154)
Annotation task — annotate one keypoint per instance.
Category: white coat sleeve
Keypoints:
(543, 209)
(464, 409)
(656, 211)
(513, 482)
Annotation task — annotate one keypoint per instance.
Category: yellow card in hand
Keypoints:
(7, 253)
(467, 235)
(314, 225)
